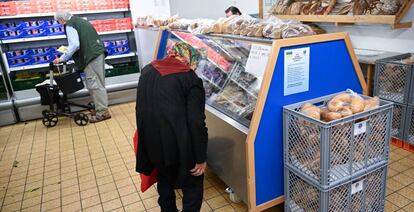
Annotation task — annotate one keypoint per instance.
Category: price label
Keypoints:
(357, 187)
(257, 61)
(360, 128)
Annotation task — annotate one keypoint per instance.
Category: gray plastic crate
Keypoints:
(366, 193)
(409, 125)
(331, 153)
(393, 79)
(399, 114)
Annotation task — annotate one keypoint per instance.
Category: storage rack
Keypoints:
(120, 88)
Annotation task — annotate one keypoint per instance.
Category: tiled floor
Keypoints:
(72, 168)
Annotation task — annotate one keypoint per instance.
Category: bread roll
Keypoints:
(346, 111)
(313, 112)
(330, 116)
(357, 104)
(338, 102)
(371, 103)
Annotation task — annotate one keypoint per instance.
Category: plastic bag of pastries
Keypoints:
(296, 29)
(204, 26)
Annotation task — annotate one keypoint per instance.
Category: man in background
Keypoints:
(232, 11)
(88, 52)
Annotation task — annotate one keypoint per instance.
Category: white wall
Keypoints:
(380, 37)
(141, 8)
(211, 8)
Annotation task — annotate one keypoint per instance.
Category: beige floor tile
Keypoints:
(107, 187)
(124, 182)
(126, 190)
(205, 207)
(104, 180)
(156, 209)
(12, 207)
(96, 208)
(210, 193)
(227, 208)
(50, 188)
(399, 167)
(51, 205)
(32, 208)
(389, 207)
(111, 205)
(135, 207)
(70, 199)
(105, 197)
(398, 200)
(27, 203)
(403, 179)
(409, 207)
(9, 199)
(72, 207)
(89, 193)
(51, 196)
(151, 202)
(394, 184)
(91, 201)
(151, 192)
(129, 199)
(217, 202)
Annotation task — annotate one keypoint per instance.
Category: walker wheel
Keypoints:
(81, 119)
(50, 119)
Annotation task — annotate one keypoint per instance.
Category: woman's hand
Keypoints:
(199, 169)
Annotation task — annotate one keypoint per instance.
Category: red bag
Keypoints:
(146, 181)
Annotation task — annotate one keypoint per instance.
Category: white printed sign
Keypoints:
(257, 61)
(296, 71)
(357, 187)
(360, 128)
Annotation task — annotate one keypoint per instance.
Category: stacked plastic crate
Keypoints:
(117, 47)
(339, 165)
(30, 29)
(27, 57)
(394, 81)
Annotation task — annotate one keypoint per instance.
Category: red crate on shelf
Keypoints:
(397, 142)
(26, 9)
(25, 3)
(46, 8)
(119, 4)
(7, 8)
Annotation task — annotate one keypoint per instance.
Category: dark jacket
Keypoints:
(90, 45)
(170, 121)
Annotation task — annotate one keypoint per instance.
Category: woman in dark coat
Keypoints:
(171, 127)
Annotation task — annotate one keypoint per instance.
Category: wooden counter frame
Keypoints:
(263, 95)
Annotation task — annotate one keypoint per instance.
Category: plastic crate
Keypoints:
(17, 54)
(25, 61)
(42, 59)
(12, 26)
(25, 84)
(43, 51)
(55, 30)
(393, 79)
(331, 153)
(34, 32)
(117, 50)
(33, 24)
(6, 34)
(409, 125)
(398, 118)
(366, 193)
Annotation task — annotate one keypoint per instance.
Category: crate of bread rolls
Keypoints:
(336, 138)
(365, 193)
(394, 78)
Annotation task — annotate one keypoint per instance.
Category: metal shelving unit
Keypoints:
(120, 88)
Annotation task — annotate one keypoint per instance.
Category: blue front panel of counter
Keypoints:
(330, 71)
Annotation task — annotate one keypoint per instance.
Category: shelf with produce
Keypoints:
(45, 65)
(22, 40)
(35, 15)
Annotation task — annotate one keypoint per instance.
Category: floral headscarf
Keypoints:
(185, 53)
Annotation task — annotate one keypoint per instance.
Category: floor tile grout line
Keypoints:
(27, 174)
(94, 173)
(11, 171)
(7, 142)
(108, 162)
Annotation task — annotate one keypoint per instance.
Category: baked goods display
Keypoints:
(242, 25)
(211, 73)
(326, 7)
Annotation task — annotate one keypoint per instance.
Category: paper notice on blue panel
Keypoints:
(296, 71)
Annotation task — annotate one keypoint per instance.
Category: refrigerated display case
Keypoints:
(244, 101)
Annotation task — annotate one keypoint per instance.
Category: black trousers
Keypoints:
(192, 188)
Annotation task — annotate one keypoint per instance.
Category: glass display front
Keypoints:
(229, 87)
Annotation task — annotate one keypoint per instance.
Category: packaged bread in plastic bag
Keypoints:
(204, 26)
(296, 29)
